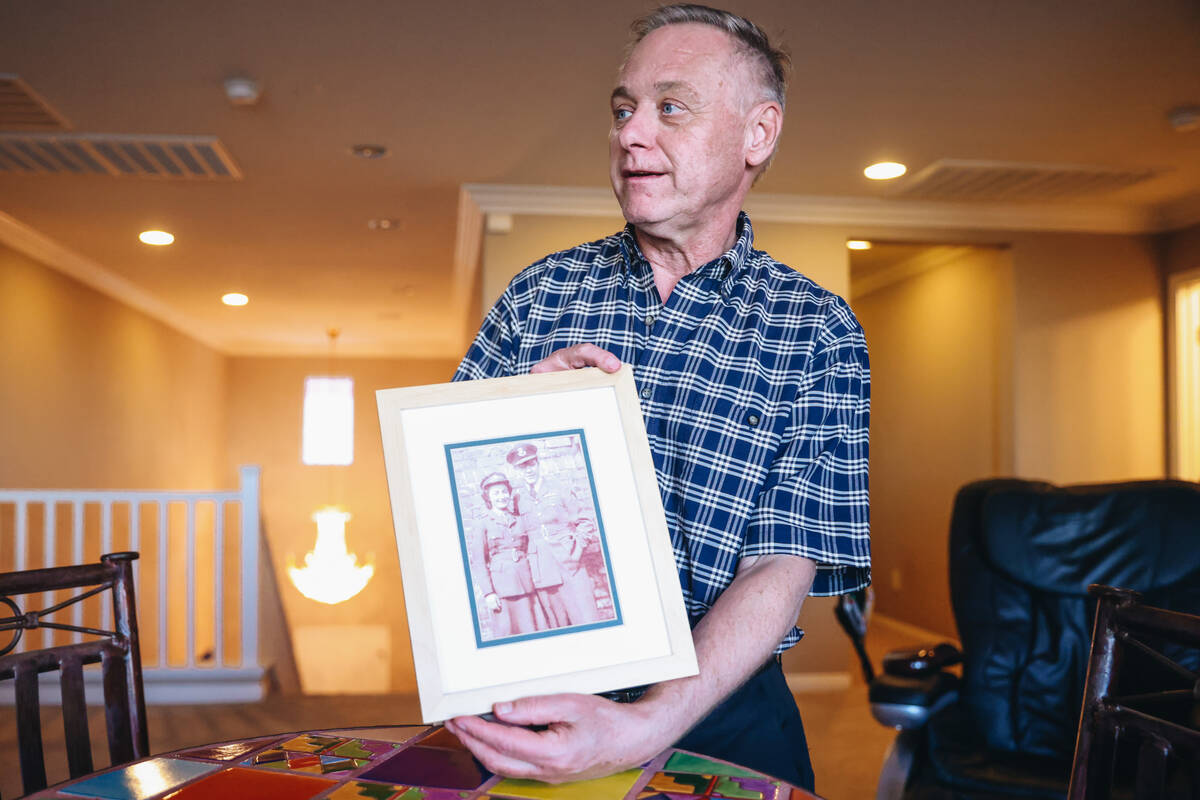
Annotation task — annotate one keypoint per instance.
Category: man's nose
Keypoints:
(637, 130)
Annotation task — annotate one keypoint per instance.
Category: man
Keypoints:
(555, 518)
(755, 391)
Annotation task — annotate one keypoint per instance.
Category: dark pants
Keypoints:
(757, 727)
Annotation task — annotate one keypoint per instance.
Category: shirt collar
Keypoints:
(724, 267)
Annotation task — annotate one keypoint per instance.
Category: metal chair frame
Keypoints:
(115, 650)
(1122, 625)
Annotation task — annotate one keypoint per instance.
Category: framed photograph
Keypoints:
(533, 546)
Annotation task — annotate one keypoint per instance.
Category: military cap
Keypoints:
(492, 480)
(522, 454)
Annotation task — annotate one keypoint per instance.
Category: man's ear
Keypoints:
(763, 125)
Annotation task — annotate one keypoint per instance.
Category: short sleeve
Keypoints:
(815, 501)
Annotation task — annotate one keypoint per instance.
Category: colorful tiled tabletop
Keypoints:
(415, 762)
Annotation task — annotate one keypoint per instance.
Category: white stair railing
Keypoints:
(178, 665)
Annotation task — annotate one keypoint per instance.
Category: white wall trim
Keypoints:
(850, 211)
(171, 686)
(917, 634)
(45, 250)
(800, 682)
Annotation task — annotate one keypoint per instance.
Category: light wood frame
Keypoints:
(455, 675)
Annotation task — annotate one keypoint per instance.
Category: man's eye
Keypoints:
(670, 108)
(622, 114)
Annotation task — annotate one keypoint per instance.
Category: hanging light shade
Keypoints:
(328, 433)
(330, 573)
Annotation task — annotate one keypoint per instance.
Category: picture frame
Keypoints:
(533, 545)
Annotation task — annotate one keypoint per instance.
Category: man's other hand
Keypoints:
(585, 737)
(577, 357)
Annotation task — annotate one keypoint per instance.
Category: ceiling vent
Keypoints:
(168, 157)
(958, 179)
(22, 109)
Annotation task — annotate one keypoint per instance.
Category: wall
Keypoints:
(265, 399)
(94, 394)
(939, 404)
(1180, 250)
(1088, 356)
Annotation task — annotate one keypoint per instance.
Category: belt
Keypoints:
(634, 693)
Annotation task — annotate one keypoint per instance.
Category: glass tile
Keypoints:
(140, 780)
(613, 787)
(238, 783)
(430, 766)
(690, 762)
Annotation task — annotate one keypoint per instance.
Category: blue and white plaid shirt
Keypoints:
(755, 388)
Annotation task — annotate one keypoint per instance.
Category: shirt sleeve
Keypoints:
(815, 500)
(493, 352)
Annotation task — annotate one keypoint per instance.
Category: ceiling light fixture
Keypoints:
(156, 238)
(383, 224)
(885, 170)
(242, 91)
(858, 244)
(234, 299)
(369, 150)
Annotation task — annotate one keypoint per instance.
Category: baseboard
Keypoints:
(162, 686)
(802, 682)
(916, 633)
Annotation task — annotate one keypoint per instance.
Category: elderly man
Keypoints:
(754, 384)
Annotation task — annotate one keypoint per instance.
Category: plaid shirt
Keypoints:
(755, 388)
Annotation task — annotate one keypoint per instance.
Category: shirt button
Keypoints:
(650, 321)
(646, 393)
(752, 419)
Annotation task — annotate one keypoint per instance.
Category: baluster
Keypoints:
(218, 583)
(105, 548)
(50, 537)
(162, 583)
(190, 553)
(77, 558)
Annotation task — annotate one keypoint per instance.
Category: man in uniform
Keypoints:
(555, 517)
(754, 385)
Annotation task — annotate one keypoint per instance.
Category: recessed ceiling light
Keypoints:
(885, 170)
(234, 299)
(383, 224)
(858, 244)
(369, 150)
(157, 238)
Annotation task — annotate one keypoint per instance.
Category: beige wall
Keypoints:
(94, 394)
(1088, 357)
(265, 401)
(938, 418)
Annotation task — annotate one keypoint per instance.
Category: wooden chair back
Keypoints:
(115, 650)
(1139, 729)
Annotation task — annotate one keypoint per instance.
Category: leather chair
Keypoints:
(1022, 554)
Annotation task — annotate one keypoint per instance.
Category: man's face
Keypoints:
(677, 147)
(529, 471)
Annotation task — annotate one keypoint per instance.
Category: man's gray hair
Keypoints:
(772, 62)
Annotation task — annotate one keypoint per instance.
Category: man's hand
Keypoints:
(587, 737)
(577, 357)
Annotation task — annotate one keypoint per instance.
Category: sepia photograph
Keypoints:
(532, 539)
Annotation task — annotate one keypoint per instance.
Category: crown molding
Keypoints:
(45, 250)
(849, 211)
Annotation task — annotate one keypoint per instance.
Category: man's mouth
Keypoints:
(641, 173)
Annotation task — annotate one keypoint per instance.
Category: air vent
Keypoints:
(956, 179)
(168, 157)
(22, 109)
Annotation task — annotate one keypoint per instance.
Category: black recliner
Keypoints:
(1022, 554)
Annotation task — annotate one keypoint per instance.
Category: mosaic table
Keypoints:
(397, 763)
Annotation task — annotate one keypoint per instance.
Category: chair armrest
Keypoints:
(923, 661)
(905, 703)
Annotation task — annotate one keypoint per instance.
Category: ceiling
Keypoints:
(474, 92)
